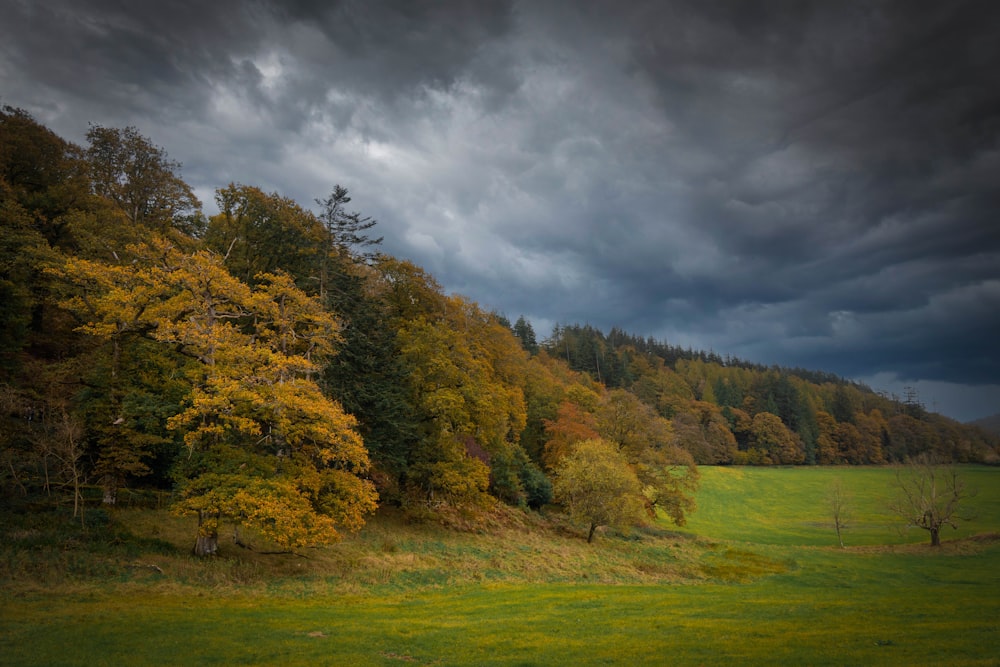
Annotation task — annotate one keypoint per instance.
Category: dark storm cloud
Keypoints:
(806, 183)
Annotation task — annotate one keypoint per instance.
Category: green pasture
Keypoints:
(755, 578)
(790, 506)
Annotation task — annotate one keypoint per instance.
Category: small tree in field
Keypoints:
(839, 509)
(929, 496)
(598, 487)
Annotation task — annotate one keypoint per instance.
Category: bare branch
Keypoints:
(929, 496)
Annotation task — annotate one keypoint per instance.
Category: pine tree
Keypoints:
(345, 228)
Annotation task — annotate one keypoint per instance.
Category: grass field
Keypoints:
(756, 577)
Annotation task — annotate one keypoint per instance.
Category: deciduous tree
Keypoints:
(840, 507)
(465, 375)
(265, 447)
(826, 444)
(571, 425)
(775, 442)
(141, 180)
(668, 473)
(929, 496)
(598, 487)
(261, 233)
(703, 431)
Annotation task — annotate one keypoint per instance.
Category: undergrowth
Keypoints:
(45, 546)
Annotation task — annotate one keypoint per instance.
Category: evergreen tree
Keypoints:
(526, 334)
(346, 229)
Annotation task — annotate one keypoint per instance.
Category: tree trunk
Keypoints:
(207, 543)
(935, 537)
(590, 536)
(110, 494)
(77, 496)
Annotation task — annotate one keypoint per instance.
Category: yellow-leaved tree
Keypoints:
(598, 487)
(668, 473)
(264, 447)
(466, 373)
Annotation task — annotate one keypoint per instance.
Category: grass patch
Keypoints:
(755, 578)
(775, 506)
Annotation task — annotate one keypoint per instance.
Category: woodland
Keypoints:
(268, 367)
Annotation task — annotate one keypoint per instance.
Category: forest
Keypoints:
(269, 367)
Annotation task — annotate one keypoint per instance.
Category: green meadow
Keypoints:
(756, 577)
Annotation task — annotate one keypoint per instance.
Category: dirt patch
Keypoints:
(967, 545)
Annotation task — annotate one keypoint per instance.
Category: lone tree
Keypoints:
(839, 508)
(929, 496)
(598, 487)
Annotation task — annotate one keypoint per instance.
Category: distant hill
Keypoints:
(989, 424)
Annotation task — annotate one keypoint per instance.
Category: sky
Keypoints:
(812, 184)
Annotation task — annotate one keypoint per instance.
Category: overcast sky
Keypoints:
(795, 183)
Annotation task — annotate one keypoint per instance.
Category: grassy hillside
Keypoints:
(755, 578)
(790, 506)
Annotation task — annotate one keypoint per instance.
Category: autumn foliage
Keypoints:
(274, 371)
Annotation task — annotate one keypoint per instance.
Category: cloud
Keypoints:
(809, 183)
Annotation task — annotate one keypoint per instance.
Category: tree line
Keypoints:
(729, 411)
(272, 368)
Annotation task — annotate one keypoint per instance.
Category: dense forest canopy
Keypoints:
(271, 368)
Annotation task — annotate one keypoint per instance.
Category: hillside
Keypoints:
(989, 424)
(268, 365)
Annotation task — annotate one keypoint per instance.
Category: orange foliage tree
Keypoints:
(265, 448)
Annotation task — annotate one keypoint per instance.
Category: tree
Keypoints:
(874, 431)
(368, 376)
(826, 444)
(839, 503)
(702, 430)
(112, 300)
(465, 375)
(43, 187)
(346, 229)
(60, 438)
(597, 486)
(41, 173)
(929, 496)
(571, 425)
(265, 447)
(543, 393)
(850, 446)
(407, 290)
(141, 180)
(526, 334)
(665, 390)
(774, 441)
(668, 473)
(262, 233)
(910, 437)
(23, 253)
(517, 480)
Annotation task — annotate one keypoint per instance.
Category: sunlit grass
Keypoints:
(756, 577)
(791, 505)
(828, 612)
